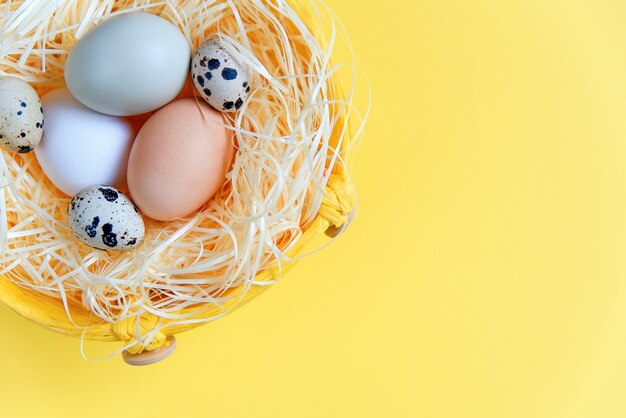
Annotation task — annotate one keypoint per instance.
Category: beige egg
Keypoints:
(179, 160)
(21, 116)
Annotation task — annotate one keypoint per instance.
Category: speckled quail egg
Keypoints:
(104, 218)
(221, 80)
(21, 116)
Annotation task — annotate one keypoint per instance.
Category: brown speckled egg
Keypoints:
(21, 116)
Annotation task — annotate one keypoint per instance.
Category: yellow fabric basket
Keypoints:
(337, 206)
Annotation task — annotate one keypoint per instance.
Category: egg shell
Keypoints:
(221, 79)
(179, 160)
(130, 64)
(81, 147)
(104, 218)
(21, 116)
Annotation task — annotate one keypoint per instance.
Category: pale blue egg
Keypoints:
(130, 64)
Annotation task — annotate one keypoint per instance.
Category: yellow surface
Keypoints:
(484, 275)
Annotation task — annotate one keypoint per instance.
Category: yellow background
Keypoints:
(485, 275)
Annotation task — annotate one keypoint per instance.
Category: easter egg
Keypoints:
(130, 64)
(81, 147)
(104, 218)
(222, 80)
(21, 116)
(179, 160)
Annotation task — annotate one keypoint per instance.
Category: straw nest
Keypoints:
(293, 140)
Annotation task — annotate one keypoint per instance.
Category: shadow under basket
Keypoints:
(336, 211)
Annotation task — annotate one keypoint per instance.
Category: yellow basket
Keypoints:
(337, 207)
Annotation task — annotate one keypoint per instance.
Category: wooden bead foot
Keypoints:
(336, 231)
(150, 357)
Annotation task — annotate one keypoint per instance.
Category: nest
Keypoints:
(288, 184)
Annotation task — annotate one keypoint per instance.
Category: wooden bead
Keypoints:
(336, 231)
(150, 357)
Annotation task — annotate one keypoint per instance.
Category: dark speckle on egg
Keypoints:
(209, 75)
(23, 149)
(108, 237)
(207, 92)
(229, 105)
(214, 64)
(91, 230)
(200, 80)
(23, 104)
(229, 74)
(238, 103)
(23, 135)
(109, 194)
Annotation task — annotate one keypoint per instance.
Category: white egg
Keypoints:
(81, 147)
(21, 116)
(221, 80)
(104, 218)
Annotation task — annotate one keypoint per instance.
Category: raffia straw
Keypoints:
(273, 193)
